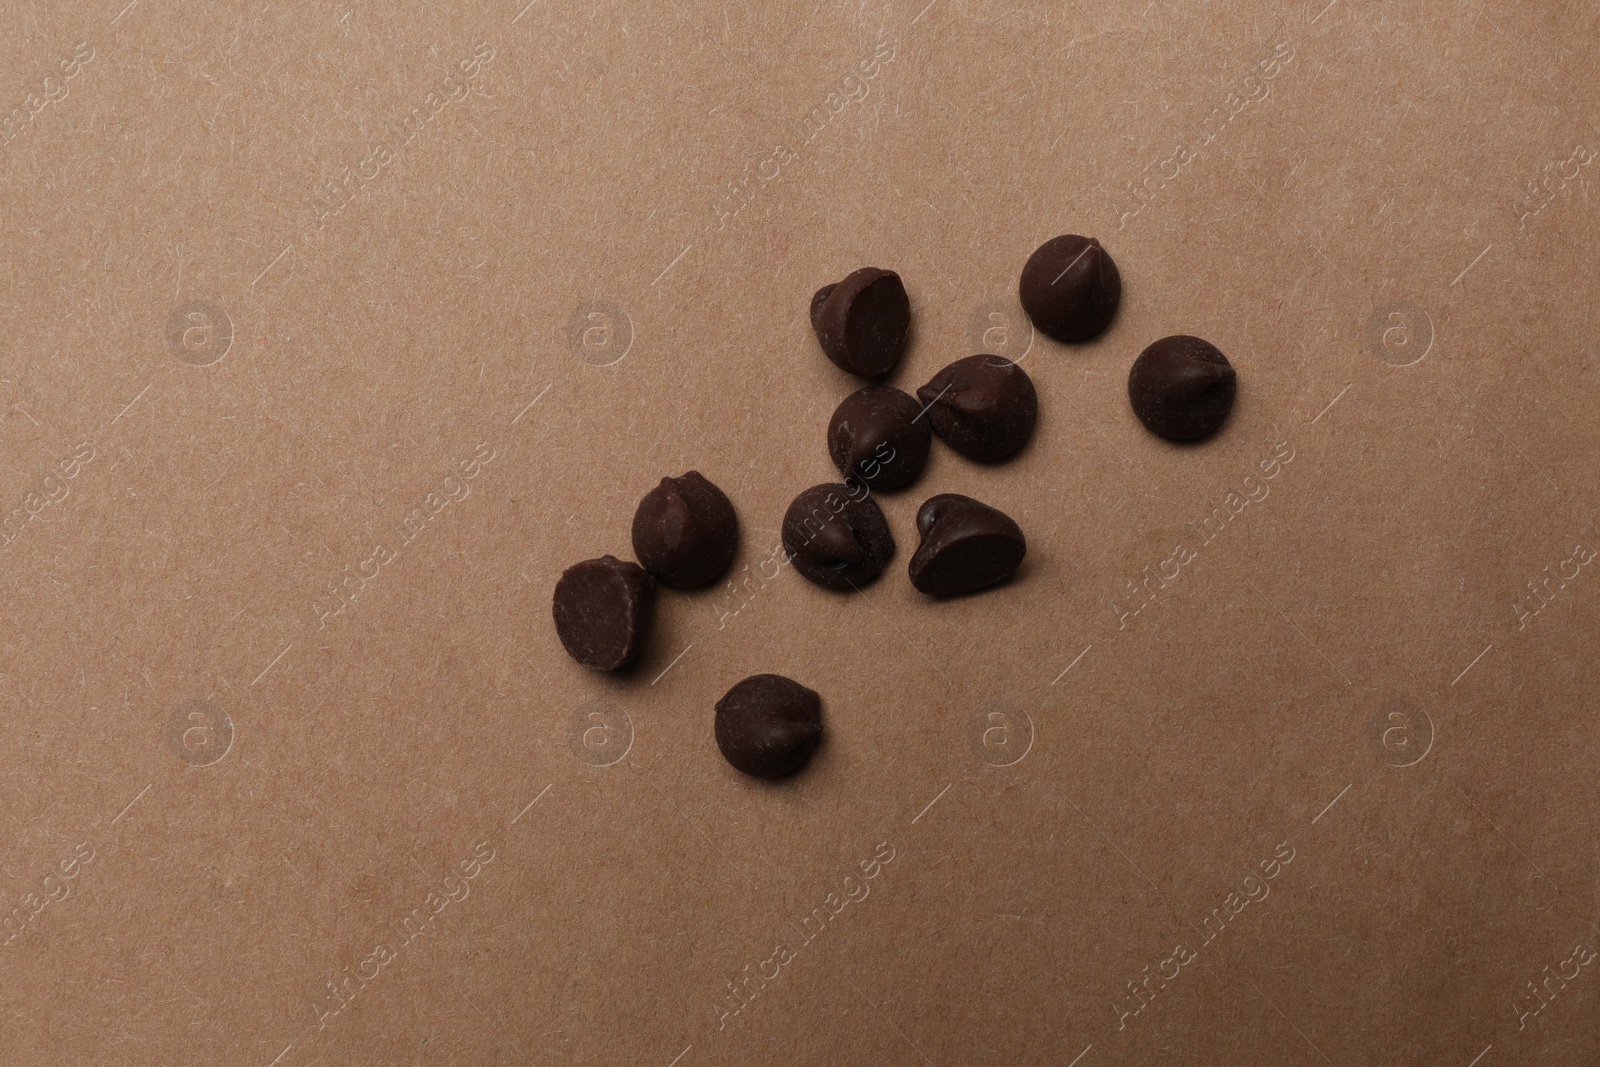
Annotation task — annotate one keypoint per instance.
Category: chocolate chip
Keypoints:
(685, 531)
(837, 537)
(966, 546)
(768, 725)
(603, 608)
(983, 407)
(878, 435)
(862, 322)
(1182, 387)
(1070, 287)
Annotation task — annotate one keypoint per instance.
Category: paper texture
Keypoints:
(333, 333)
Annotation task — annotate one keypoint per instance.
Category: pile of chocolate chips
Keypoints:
(686, 533)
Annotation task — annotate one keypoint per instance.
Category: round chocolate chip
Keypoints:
(1182, 387)
(878, 435)
(966, 546)
(685, 531)
(837, 537)
(1070, 288)
(862, 322)
(984, 407)
(603, 608)
(768, 725)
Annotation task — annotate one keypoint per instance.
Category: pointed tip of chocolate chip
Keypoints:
(983, 406)
(768, 726)
(1070, 288)
(966, 546)
(685, 531)
(836, 536)
(1182, 388)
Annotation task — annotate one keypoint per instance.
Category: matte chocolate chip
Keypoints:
(685, 531)
(603, 609)
(1182, 387)
(862, 322)
(983, 407)
(769, 725)
(1070, 287)
(837, 537)
(966, 546)
(878, 435)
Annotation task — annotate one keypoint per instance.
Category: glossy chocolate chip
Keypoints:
(984, 407)
(862, 322)
(878, 435)
(603, 609)
(1182, 388)
(769, 725)
(685, 532)
(837, 537)
(966, 546)
(1070, 288)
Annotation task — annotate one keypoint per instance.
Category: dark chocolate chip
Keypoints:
(983, 407)
(862, 322)
(603, 609)
(837, 537)
(878, 436)
(769, 725)
(1182, 387)
(685, 531)
(966, 546)
(1070, 287)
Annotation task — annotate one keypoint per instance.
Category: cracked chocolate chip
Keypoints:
(862, 322)
(984, 407)
(685, 532)
(768, 725)
(603, 609)
(837, 537)
(1182, 388)
(878, 436)
(966, 546)
(1070, 287)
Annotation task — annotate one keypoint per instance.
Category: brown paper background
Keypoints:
(1340, 675)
